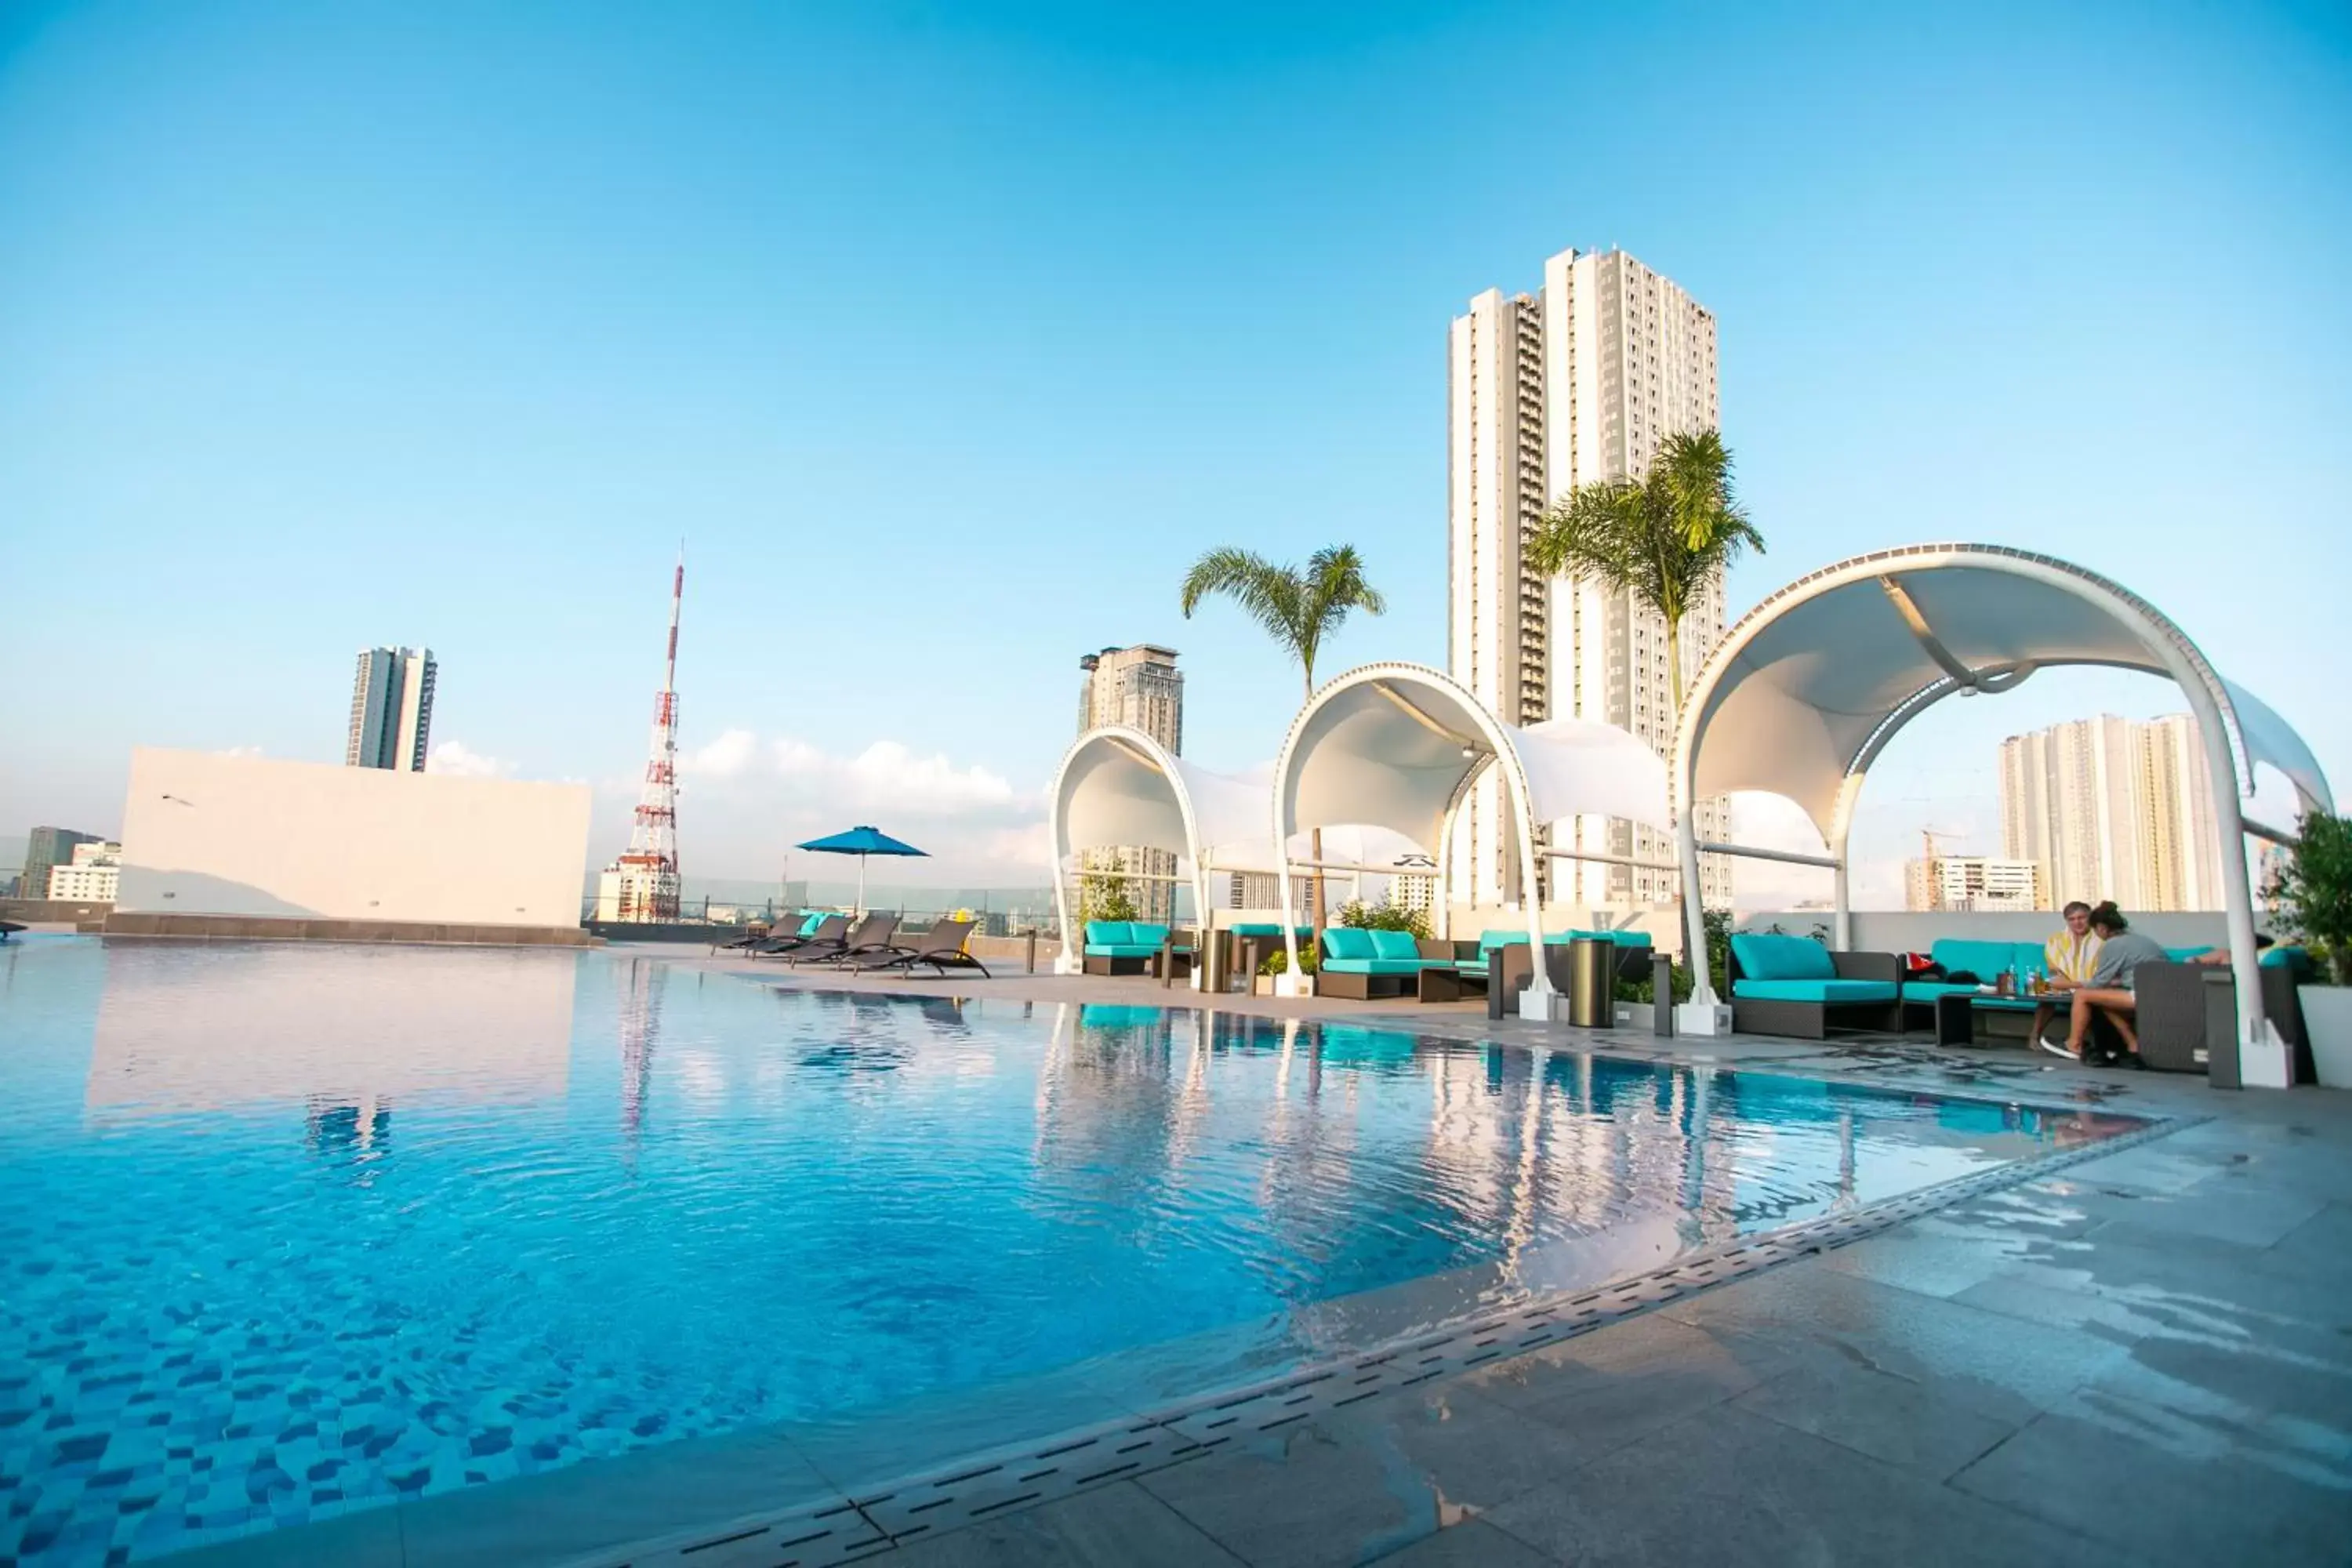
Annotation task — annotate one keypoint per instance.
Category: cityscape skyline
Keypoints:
(392, 708)
(742, 377)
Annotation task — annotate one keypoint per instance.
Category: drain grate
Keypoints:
(983, 1488)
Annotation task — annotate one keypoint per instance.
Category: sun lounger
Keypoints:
(942, 947)
(827, 929)
(872, 935)
(782, 926)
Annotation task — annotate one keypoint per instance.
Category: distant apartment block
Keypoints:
(1544, 394)
(1972, 883)
(392, 708)
(1413, 887)
(2109, 808)
(45, 848)
(1140, 688)
(1263, 890)
(92, 877)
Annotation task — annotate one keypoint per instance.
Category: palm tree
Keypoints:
(1298, 609)
(1662, 536)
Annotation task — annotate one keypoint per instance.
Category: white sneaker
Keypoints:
(2056, 1050)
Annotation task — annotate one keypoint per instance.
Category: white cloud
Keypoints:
(461, 760)
(726, 757)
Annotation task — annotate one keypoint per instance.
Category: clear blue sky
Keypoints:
(946, 334)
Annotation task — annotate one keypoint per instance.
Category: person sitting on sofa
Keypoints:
(2071, 956)
(2109, 988)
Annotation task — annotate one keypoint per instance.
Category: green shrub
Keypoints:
(2313, 891)
(1275, 963)
(1382, 917)
(1104, 895)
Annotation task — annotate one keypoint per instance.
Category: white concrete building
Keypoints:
(92, 878)
(1545, 394)
(1140, 688)
(2113, 809)
(1972, 883)
(392, 708)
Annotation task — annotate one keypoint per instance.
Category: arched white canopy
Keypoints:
(1119, 787)
(1806, 692)
(1398, 746)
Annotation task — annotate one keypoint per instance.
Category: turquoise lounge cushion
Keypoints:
(2295, 958)
(1106, 931)
(1395, 945)
(1349, 942)
(1372, 965)
(1143, 933)
(1814, 989)
(2183, 954)
(1488, 940)
(1122, 949)
(1763, 957)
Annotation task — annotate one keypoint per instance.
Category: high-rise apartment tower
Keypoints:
(2113, 809)
(1140, 688)
(392, 708)
(1544, 394)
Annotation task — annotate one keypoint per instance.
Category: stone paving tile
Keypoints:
(1604, 1390)
(1995, 1365)
(1120, 1526)
(1351, 1487)
(1891, 1419)
(2159, 1505)
(1473, 1544)
(1730, 1488)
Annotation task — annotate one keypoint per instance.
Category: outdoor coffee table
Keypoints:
(1961, 1015)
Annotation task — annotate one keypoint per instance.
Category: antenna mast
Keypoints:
(649, 881)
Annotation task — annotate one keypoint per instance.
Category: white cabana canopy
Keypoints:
(1119, 787)
(1806, 692)
(1398, 746)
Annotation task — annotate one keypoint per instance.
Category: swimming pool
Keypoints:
(290, 1230)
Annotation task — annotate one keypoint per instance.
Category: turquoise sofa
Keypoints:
(1793, 985)
(1364, 964)
(1128, 947)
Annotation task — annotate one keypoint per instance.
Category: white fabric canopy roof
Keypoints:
(1803, 694)
(1814, 681)
(1396, 746)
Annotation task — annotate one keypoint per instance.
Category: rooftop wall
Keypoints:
(205, 834)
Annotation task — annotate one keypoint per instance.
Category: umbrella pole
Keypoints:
(861, 887)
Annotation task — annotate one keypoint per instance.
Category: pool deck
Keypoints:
(2143, 1358)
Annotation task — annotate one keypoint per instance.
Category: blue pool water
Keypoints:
(287, 1230)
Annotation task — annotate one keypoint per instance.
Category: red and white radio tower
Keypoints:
(649, 885)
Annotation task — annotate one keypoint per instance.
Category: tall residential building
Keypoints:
(1140, 688)
(93, 878)
(2113, 809)
(392, 708)
(1546, 394)
(1972, 882)
(45, 848)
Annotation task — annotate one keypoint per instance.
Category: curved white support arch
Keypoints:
(1117, 785)
(1397, 745)
(1912, 626)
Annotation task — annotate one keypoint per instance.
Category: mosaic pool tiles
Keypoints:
(136, 1432)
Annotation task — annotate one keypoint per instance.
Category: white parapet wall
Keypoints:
(205, 834)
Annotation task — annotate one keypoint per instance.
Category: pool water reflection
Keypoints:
(289, 1230)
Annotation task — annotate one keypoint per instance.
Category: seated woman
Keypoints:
(2108, 992)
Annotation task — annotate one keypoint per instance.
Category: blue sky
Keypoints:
(946, 335)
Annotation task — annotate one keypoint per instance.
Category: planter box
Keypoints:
(1640, 1016)
(2327, 1019)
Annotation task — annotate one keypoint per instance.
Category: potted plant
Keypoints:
(1277, 961)
(2314, 893)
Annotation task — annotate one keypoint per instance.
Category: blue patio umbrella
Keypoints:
(861, 842)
